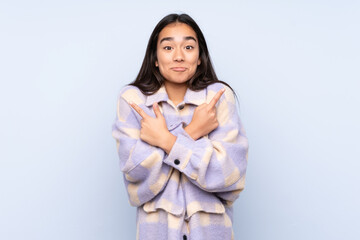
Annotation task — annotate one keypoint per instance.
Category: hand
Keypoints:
(154, 130)
(204, 118)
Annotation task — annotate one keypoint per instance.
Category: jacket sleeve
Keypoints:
(144, 173)
(217, 162)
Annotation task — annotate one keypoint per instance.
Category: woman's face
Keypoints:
(177, 53)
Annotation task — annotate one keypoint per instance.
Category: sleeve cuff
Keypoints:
(183, 150)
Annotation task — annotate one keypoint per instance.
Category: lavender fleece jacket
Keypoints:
(206, 175)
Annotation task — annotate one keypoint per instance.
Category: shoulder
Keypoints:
(132, 93)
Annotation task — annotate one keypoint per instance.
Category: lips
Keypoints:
(178, 69)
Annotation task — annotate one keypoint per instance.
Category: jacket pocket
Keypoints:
(208, 207)
(165, 205)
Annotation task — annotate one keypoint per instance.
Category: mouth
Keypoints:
(178, 69)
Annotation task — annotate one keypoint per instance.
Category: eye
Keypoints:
(189, 47)
(167, 48)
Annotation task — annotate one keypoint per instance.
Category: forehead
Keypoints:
(177, 31)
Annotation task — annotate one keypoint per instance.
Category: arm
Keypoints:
(216, 163)
(145, 175)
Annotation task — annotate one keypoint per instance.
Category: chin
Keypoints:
(177, 80)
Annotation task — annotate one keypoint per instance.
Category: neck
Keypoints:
(175, 91)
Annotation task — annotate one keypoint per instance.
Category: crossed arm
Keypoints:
(155, 132)
(216, 163)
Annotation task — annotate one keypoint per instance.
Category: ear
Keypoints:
(156, 64)
(199, 61)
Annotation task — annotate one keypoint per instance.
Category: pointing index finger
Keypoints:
(138, 109)
(216, 98)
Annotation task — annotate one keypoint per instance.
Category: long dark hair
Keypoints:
(149, 78)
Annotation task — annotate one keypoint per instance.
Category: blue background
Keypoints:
(294, 65)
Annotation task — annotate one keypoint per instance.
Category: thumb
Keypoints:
(157, 110)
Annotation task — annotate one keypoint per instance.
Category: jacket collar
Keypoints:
(191, 97)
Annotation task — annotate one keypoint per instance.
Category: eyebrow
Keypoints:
(171, 38)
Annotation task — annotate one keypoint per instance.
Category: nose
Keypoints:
(178, 55)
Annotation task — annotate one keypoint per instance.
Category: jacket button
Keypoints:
(181, 107)
(176, 161)
(184, 237)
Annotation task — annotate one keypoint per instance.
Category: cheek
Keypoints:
(195, 59)
(162, 71)
(195, 62)
(163, 58)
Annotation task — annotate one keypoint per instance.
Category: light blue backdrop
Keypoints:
(294, 64)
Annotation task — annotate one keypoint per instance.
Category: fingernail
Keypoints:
(130, 102)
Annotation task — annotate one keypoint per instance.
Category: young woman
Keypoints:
(181, 144)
